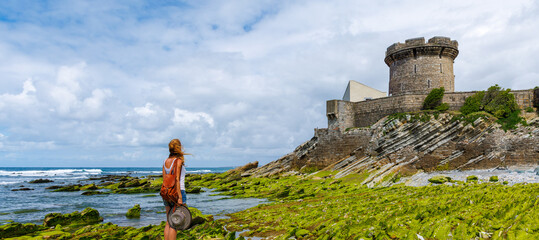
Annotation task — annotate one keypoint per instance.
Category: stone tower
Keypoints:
(417, 67)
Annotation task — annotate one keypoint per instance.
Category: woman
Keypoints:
(173, 170)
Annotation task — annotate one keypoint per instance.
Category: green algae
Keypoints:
(439, 179)
(18, 229)
(89, 187)
(26, 211)
(134, 212)
(205, 228)
(87, 216)
(344, 209)
(92, 192)
(149, 195)
(472, 178)
(134, 185)
(69, 188)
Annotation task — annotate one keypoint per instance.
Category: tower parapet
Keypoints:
(417, 66)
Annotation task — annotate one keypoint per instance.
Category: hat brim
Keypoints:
(179, 219)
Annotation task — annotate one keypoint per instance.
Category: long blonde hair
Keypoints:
(175, 148)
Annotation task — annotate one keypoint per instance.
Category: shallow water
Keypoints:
(32, 206)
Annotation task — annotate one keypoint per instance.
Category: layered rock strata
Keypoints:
(412, 143)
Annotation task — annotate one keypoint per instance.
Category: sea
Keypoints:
(31, 206)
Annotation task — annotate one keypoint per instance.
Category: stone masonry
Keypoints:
(343, 114)
(418, 67)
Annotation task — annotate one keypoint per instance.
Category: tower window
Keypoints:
(415, 68)
(428, 83)
(441, 71)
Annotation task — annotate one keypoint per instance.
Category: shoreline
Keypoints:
(312, 206)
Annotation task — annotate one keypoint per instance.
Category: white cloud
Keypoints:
(237, 81)
(68, 76)
(188, 119)
(145, 111)
(19, 101)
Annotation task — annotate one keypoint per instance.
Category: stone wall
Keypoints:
(343, 114)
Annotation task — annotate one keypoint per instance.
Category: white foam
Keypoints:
(50, 173)
(200, 171)
(8, 182)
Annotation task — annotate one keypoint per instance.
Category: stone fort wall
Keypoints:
(343, 114)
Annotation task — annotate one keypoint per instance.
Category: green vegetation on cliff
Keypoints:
(497, 101)
(433, 101)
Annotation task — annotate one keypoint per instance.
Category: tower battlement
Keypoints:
(417, 46)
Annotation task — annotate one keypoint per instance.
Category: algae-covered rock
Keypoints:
(22, 189)
(301, 232)
(87, 216)
(18, 229)
(439, 179)
(89, 187)
(41, 180)
(493, 178)
(54, 234)
(129, 183)
(133, 212)
(142, 189)
(92, 192)
(471, 178)
(199, 218)
(194, 190)
(69, 188)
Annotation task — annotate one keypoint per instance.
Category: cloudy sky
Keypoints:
(110, 83)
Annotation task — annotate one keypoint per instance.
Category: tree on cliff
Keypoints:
(497, 101)
(433, 101)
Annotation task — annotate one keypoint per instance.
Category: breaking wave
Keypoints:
(50, 173)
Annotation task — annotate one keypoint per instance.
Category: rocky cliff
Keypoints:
(411, 143)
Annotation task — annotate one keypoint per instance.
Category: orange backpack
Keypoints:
(169, 192)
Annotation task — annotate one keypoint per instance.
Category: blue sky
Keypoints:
(109, 83)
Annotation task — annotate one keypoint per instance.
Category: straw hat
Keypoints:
(180, 219)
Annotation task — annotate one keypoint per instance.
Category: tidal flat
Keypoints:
(317, 206)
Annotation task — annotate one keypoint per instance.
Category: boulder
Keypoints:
(471, 178)
(92, 192)
(89, 187)
(87, 216)
(439, 179)
(15, 229)
(194, 190)
(41, 180)
(22, 189)
(199, 218)
(69, 188)
(133, 212)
